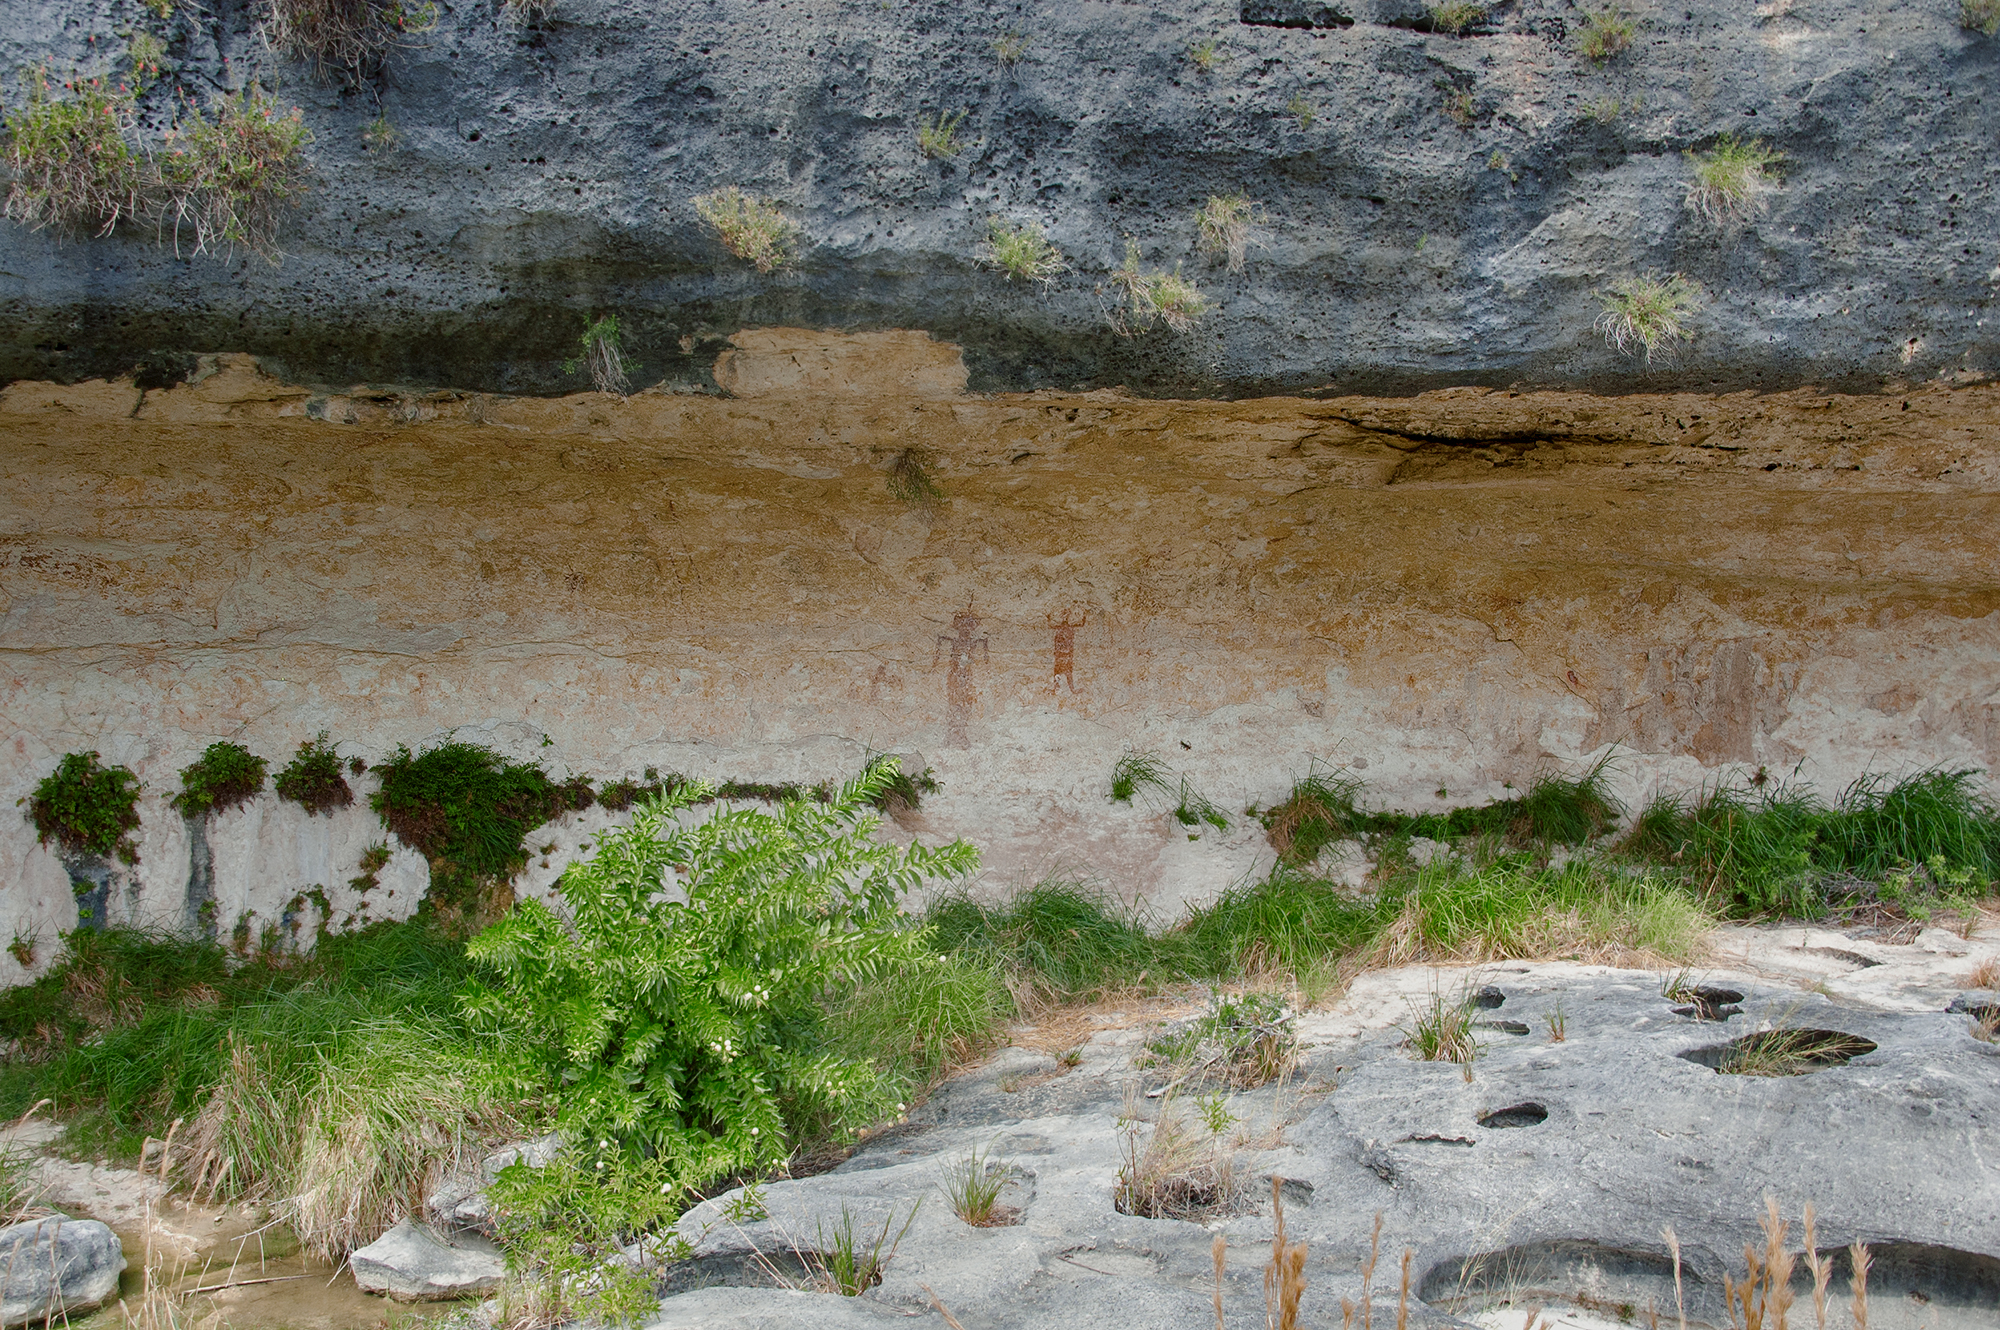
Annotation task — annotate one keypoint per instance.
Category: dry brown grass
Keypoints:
(1174, 1173)
(1986, 974)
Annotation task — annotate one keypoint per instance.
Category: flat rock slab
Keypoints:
(410, 1264)
(55, 1267)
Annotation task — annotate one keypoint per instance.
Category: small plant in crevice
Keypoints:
(349, 38)
(228, 172)
(1733, 181)
(750, 228)
(225, 776)
(911, 480)
(312, 779)
(938, 138)
(1194, 809)
(1170, 1175)
(373, 860)
(1224, 228)
(1153, 297)
(1205, 55)
(1301, 110)
(86, 807)
(1242, 1041)
(850, 1263)
(904, 792)
(22, 949)
(379, 136)
(974, 1183)
(1460, 108)
(1454, 17)
(1556, 1021)
(1980, 16)
(1604, 33)
(71, 167)
(602, 356)
(1440, 1028)
(1649, 314)
(1021, 251)
(1137, 772)
(1009, 48)
(1319, 810)
(147, 53)
(529, 11)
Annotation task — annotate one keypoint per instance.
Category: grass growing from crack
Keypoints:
(1154, 297)
(938, 138)
(1440, 1028)
(350, 38)
(71, 167)
(1604, 33)
(912, 481)
(1021, 251)
(1649, 314)
(751, 228)
(1136, 773)
(1205, 55)
(974, 1183)
(1224, 226)
(601, 355)
(1980, 16)
(1009, 48)
(1733, 181)
(1454, 17)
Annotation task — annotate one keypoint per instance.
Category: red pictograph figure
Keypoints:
(1065, 650)
(960, 693)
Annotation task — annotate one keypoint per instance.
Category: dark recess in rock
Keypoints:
(1519, 1115)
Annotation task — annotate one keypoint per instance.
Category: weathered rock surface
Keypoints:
(459, 1199)
(1559, 1163)
(1457, 591)
(546, 172)
(412, 1264)
(55, 1267)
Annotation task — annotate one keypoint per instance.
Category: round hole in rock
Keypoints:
(1504, 1027)
(1782, 1052)
(1518, 1115)
(1487, 998)
(1704, 1003)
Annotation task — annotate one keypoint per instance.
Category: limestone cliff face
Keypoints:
(1447, 592)
(546, 173)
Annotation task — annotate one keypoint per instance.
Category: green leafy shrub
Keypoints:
(1223, 224)
(87, 807)
(1980, 16)
(348, 37)
(1649, 313)
(312, 778)
(1603, 34)
(680, 1007)
(1021, 251)
(225, 776)
(1454, 16)
(71, 165)
(602, 356)
(1733, 181)
(468, 811)
(1154, 297)
(938, 139)
(564, 1227)
(750, 228)
(228, 173)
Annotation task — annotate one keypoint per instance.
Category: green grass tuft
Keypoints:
(750, 228)
(1980, 16)
(1155, 297)
(1733, 181)
(1135, 773)
(1455, 17)
(1603, 34)
(938, 138)
(1649, 313)
(1021, 251)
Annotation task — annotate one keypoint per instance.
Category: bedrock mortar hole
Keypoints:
(1704, 1003)
(1529, 1114)
(1782, 1052)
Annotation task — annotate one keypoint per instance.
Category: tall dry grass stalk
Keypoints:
(1285, 1275)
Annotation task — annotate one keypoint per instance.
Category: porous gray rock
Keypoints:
(545, 172)
(412, 1264)
(56, 1267)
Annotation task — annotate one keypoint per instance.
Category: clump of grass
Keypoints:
(750, 228)
(1454, 17)
(312, 778)
(1319, 811)
(1206, 54)
(1224, 225)
(347, 37)
(1301, 110)
(1789, 1052)
(1556, 1021)
(912, 482)
(1556, 810)
(1604, 33)
(228, 173)
(1460, 108)
(1440, 1028)
(938, 138)
(1986, 974)
(1194, 809)
(1649, 313)
(1021, 251)
(71, 167)
(225, 776)
(919, 1022)
(1155, 297)
(1287, 923)
(380, 136)
(1009, 48)
(1059, 940)
(602, 356)
(1980, 16)
(1170, 1175)
(974, 1183)
(86, 807)
(1242, 1041)
(529, 11)
(1136, 772)
(1733, 181)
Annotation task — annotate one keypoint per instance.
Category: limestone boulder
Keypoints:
(410, 1263)
(56, 1267)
